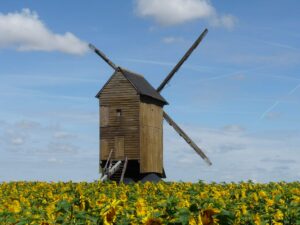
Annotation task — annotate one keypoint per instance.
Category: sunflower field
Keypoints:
(148, 203)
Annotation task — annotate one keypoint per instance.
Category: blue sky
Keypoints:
(237, 96)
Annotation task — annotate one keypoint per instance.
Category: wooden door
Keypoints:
(119, 147)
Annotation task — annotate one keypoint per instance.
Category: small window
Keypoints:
(119, 112)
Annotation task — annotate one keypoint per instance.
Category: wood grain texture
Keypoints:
(104, 148)
(119, 94)
(131, 125)
(151, 138)
(104, 116)
(119, 148)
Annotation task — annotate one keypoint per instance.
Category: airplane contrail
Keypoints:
(161, 63)
(195, 68)
(294, 89)
(269, 109)
(278, 102)
(274, 105)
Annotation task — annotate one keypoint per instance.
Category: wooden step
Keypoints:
(119, 174)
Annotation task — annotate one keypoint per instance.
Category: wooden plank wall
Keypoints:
(151, 138)
(119, 147)
(119, 94)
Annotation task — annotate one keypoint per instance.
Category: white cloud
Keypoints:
(31, 136)
(227, 21)
(62, 135)
(27, 125)
(26, 32)
(17, 141)
(45, 150)
(233, 128)
(166, 12)
(61, 147)
(236, 156)
(171, 40)
(54, 160)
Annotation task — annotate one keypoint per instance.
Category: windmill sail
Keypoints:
(166, 116)
(163, 84)
(103, 56)
(186, 138)
(183, 59)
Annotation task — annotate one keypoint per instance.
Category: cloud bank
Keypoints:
(237, 155)
(39, 150)
(32, 150)
(166, 12)
(24, 31)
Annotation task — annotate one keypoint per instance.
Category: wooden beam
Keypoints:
(103, 56)
(183, 59)
(186, 138)
(124, 169)
(114, 168)
(108, 160)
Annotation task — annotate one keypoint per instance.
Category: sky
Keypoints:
(237, 96)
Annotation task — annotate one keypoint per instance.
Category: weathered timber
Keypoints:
(119, 147)
(163, 84)
(183, 59)
(124, 170)
(108, 160)
(186, 138)
(131, 123)
(103, 56)
(111, 171)
(119, 105)
(151, 138)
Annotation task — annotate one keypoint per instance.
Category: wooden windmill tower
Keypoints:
(131, 124)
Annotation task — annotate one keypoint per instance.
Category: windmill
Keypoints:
(131, 124)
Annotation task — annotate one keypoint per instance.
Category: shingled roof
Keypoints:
(142, 86)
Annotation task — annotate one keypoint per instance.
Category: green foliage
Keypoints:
(162, 203)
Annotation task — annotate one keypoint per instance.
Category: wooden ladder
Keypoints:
(124, 170)
(118, 176)
(114, 169)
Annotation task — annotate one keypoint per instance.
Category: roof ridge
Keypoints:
(139, 83)
(130, 71)
(124, 74)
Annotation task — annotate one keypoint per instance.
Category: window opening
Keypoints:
(119, 112)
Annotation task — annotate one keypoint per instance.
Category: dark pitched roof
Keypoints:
(142, 86)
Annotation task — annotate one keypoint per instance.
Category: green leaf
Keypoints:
(63, 206)
(194, 208)
(123, 221)
(80, 215)
(183, 216)
(23, 222)
(225, 217)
